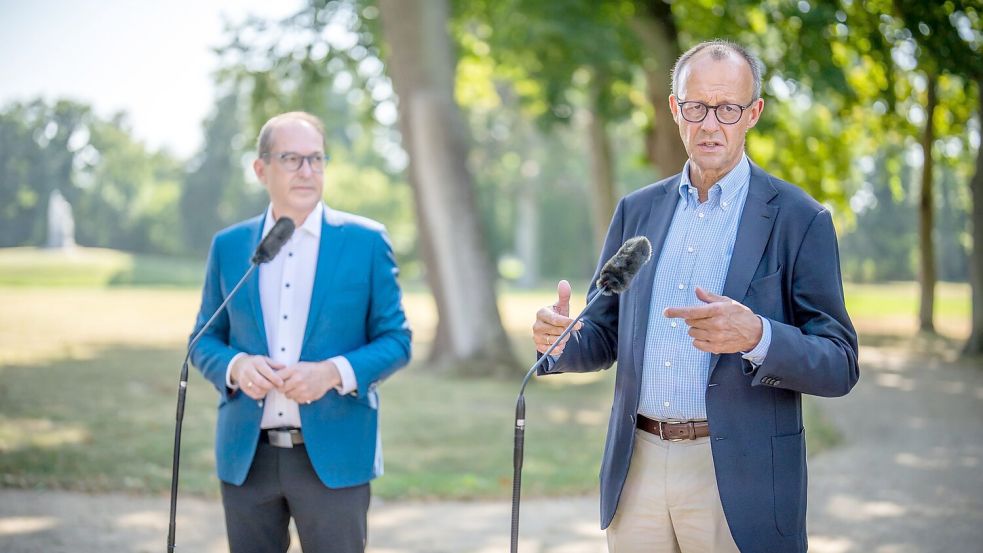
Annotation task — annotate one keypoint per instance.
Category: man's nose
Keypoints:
(306, 166)
(710, 122)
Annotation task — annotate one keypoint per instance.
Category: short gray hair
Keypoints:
(719, 49)
(265, 140)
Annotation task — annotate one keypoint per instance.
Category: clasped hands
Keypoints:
(719, 325)
(304, 382)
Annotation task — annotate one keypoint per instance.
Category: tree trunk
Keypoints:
(527, 233)
(602, 194)
(470, 336)
(974, 346)
(926, 225)
(656, 29)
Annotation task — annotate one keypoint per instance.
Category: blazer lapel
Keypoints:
(654, 224)
(252, 287)
(328, 260)
(757, 221)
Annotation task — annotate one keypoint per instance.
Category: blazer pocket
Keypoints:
(789, 466)
(766, 284)
(764, 296)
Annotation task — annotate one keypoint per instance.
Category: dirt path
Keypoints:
(909, 478)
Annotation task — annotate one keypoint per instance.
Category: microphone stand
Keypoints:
(181, 393)
(520, 421)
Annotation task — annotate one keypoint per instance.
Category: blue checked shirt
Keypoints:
(696, 252)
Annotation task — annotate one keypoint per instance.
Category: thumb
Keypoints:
(709, 297)
(562, 305)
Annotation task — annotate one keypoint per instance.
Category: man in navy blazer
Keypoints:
(739, 312)
(298, 355)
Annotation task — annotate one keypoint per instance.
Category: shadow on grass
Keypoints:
(104, 423)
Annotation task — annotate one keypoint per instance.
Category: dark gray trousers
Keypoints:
(282, 484)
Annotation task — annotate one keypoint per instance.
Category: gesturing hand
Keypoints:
(306, 382)
(256, 375)
(552, 320)
(721, 325)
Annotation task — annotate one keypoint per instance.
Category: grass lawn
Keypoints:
(88, 378)
(95, 267)
(88, 386)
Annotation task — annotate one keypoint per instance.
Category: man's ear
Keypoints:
(260, 169)
(756, 110)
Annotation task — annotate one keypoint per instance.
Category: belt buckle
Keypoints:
(280, 438)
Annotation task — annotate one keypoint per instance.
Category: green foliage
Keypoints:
(37, 158)
(215, 192)
(844, 86)
(123, 195)
(324, 59)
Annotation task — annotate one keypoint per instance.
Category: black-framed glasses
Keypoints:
(293, 161)
(727, 114)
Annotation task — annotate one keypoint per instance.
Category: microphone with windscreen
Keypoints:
(619, 271)
(268, 248)
(271, 245)
(614, 278)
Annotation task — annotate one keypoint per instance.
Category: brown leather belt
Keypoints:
(282, 437)
(674, 431)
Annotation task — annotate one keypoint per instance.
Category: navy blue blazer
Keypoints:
(355, 311)
(785, 267)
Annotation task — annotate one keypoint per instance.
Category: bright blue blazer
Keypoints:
(785, 267)
(355, 311)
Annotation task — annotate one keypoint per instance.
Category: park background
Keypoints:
(493, 139)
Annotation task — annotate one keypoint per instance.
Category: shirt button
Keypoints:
(673, 324)
(724, 204)
(283, 349)
(681, 286)
(280, 414)
(689, 249)
(290, 254)
(668, 363)
(665, 404)
(284, 317)
(700, 215)
(288, 285)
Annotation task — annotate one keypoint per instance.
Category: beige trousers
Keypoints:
(670, 502)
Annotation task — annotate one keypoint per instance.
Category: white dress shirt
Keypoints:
(285, 287)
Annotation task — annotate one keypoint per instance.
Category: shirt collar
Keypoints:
(312, 224)
(724, 192)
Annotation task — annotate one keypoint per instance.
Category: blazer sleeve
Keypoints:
(595, 346)
(817, 352)
(212, 354)
(388, 332)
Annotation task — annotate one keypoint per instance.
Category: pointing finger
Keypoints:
(691, 312)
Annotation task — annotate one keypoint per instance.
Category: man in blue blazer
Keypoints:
(739, 312)
(298, 355)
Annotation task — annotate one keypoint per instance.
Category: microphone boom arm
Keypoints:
(520, 420)
(181, 395)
